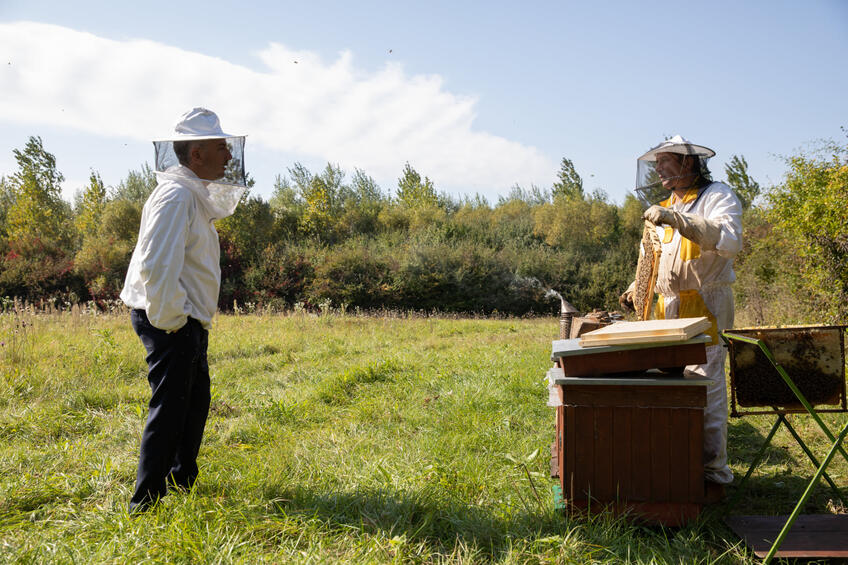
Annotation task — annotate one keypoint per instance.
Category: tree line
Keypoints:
(335, 237)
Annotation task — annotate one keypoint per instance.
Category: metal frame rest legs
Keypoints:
(803, 500)
(836, 444)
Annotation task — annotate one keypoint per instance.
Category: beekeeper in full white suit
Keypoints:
(699, 222)
(172, 287)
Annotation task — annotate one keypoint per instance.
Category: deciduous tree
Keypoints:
(809, 208)
(92, 201)
(38, 211)
(7, 198)
(745, 187)
(569, 183)
(137, 186)
(413, 192)
(104, 256)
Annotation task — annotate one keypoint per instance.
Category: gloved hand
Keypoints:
(626, 299)
(658, 215)
(702, 231)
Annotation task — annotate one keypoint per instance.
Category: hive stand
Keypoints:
(837, 531)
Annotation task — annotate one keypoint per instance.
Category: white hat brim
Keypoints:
(176, 137)
(680, 149)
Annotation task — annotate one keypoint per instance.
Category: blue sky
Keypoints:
(478, 96)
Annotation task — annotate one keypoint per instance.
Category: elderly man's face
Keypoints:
(675, 170)
(209, 158)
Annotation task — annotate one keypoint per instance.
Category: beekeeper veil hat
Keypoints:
(649, 189)
(197, 125)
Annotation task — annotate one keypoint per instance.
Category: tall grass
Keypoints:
(331, 438)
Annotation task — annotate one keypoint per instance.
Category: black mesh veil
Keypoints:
(166, 158)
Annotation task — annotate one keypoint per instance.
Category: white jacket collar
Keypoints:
(217, 199)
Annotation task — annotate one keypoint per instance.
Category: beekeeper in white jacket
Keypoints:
(700, 225)
(172, 287)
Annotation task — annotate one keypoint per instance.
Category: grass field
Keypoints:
(330, 439)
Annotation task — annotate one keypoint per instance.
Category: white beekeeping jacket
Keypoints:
(684, 265)
(174, 272)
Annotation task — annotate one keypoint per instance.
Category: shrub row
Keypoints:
(423, 275)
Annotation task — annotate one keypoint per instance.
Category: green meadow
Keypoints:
(332, 438)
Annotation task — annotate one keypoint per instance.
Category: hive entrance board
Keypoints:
(649, 331)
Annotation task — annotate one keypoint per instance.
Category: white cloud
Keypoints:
(329, 111)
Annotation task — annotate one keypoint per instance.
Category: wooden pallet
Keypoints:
(811, 536)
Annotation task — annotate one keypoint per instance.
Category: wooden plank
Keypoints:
(621, 457)
(599, 395)
(640, 454)
(696, 454)
(572, 348)
(584, 472)
(650, 331)
(660, 454)
(674, 325)
(602, 486)
(679, 456)
(630, 339)
(811, 536)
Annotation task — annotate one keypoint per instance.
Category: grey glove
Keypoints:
(658, 215)
(699, 229)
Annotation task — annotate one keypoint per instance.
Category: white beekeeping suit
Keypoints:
(701, 233)
(172, 287)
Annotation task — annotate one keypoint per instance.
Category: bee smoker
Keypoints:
(567, 313)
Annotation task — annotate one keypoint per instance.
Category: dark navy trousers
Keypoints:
(178, 374)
